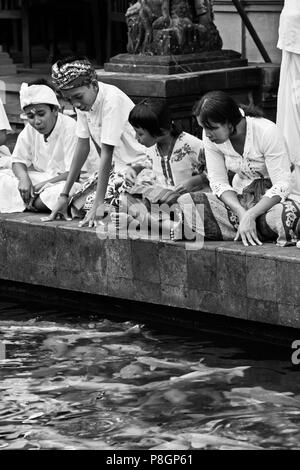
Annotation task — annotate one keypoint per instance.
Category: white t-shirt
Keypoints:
(107, 123)
(264, 155)
(289, 27)
(53, 156)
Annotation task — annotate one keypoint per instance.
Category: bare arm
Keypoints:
(20, 170)
(247, 227)
(103, 177)
(25, 184)
(81, 153)
(165, 9)
(263, 206)
(230, 199)
(104, 170)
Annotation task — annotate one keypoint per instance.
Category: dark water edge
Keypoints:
(156, 315)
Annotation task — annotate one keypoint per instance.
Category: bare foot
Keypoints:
(176, 231)
(121, 220)
(179, 231)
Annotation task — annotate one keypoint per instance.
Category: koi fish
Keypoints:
(158, 363)
(202, 375)
(261, 395)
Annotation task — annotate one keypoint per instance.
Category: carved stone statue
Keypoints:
(164, 27)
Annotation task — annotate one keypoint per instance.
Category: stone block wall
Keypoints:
(259, 284)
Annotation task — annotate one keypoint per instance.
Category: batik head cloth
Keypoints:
(37, 94)
(73, 74)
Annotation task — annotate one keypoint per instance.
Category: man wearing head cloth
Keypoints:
(102, 117)
(42, 155)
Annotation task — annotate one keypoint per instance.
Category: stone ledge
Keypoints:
(259, 284)
(183, 84)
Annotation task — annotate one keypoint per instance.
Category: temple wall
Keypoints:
(264, 15)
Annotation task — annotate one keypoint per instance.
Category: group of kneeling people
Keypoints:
(126, 164)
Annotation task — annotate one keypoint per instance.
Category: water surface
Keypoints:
(70, 381)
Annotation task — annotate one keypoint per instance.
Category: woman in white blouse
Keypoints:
(254, 205)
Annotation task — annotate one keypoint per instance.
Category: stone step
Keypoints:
(15, 119)
(8, 69)
(5, 59)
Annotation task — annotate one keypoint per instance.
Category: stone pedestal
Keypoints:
(182, 90)
(174, 64)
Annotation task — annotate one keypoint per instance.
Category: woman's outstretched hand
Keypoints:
(247, 230)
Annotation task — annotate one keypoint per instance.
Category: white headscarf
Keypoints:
(37, 94)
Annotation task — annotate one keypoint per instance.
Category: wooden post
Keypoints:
(108, 30)
(251, 30)
(97, 31)
(26, 34)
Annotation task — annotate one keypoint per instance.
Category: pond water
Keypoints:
(70, 381)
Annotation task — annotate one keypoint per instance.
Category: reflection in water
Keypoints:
(85, 383)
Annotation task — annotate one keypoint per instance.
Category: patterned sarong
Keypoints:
(84, 198)
(206, 213)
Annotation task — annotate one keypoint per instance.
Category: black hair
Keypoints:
(154, 116)
(88, 80)
(219, 107)
(73, 58)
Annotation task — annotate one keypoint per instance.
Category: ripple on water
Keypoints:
(105, 385)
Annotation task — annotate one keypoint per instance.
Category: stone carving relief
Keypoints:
(164, 27)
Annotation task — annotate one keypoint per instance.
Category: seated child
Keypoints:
(177, 159)
(43, 153)
(102, 117)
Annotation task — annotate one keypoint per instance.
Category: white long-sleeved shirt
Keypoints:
(264, 156)
(53, 156)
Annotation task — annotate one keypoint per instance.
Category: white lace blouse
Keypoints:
(264, 156)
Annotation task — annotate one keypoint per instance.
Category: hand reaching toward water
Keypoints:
(247, 230)
(60, 210)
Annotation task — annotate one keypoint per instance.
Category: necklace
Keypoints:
(169, 148)
(165, 160)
